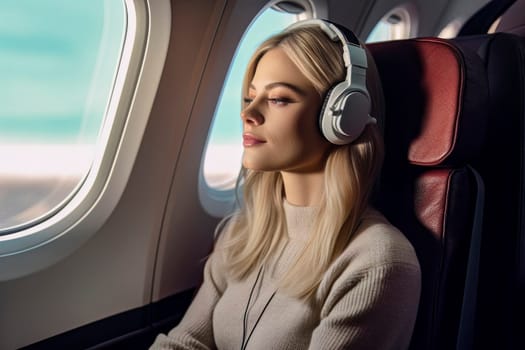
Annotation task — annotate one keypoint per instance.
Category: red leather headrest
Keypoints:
(436, 100)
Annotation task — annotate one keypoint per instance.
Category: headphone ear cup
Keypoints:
(355, 115)
(344, 114)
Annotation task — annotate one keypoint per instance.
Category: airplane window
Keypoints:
(493, 26)
(58, 60)
(399, 23)
(451, 29)
(222, 158)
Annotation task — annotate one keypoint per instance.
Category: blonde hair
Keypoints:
(258, 229)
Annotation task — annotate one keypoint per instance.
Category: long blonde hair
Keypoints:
(259, 228)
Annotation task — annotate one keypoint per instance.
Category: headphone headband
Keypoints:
(353, 52)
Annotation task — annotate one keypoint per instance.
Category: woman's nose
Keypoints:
(250, 115)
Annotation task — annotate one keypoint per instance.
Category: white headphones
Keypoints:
(346, 107)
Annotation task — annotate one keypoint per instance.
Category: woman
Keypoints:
(306, 263)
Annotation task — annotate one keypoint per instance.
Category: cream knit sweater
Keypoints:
(367, 299)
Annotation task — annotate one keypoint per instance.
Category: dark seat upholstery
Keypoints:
(436, 111)
(502, 266)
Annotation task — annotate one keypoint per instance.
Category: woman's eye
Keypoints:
(279, 101)
(247, 100)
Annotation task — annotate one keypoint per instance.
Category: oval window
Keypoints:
(399, 23)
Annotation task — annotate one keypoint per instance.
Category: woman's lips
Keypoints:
(249, 140)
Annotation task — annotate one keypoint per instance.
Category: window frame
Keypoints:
(139, 70)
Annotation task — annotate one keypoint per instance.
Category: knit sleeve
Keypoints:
(371, 309)
(195, 331)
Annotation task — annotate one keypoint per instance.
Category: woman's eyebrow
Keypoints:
(292, 87)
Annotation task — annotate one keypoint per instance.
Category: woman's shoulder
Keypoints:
(378, 256)
(377, 244)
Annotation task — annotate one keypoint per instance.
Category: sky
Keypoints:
(57, 63)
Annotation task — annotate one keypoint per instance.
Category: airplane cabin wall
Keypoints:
(187, 230)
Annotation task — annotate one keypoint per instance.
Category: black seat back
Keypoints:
(502, 266)
(435, 119)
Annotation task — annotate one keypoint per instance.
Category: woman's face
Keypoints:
(280, 119)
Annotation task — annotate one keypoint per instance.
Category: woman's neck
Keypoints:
(303, 189)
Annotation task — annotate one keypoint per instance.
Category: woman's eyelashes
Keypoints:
(277, 101)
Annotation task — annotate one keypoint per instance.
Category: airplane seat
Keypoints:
(502, 266)
(435, 117)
